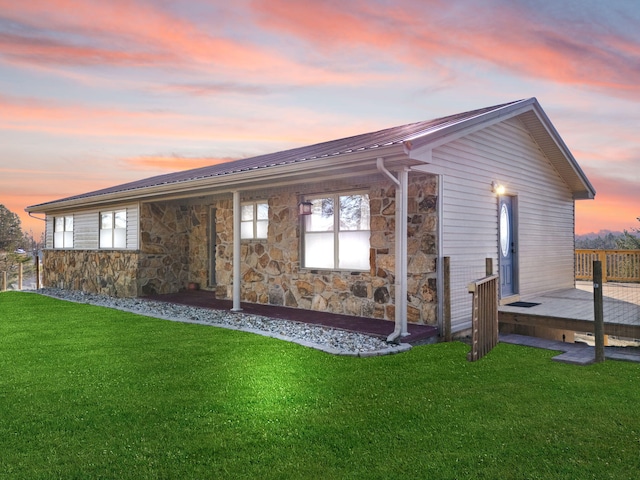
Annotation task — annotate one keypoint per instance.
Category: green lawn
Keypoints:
(88, 392)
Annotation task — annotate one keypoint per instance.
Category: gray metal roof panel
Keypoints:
(343, 146)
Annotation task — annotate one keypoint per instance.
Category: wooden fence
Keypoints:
(484, 318)
(7, 278)
(617, 265)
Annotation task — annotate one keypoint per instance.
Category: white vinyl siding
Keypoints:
(543, 212)
(86, 229)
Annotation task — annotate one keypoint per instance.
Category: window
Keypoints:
(63, 232)
(254, 220)
(113, 229)
(337, 233)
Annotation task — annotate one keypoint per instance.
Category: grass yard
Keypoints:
(89, 392)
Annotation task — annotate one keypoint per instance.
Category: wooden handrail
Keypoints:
(617, 265)
(484, 316)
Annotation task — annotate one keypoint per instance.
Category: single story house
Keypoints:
(356, 226)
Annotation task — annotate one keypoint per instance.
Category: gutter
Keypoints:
(400, 282)
(286, 174)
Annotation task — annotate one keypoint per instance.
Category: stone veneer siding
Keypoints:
(174, 247)
(272, 273)
(111, 272)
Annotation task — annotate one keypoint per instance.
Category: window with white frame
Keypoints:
(337, 232)
(254, 220)
(63, 232)
(113, 229)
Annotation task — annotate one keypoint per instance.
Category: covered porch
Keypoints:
(418, 334)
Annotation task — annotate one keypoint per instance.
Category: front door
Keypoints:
(507, 248)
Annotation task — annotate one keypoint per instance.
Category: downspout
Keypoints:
(236, 252)
(401, 183)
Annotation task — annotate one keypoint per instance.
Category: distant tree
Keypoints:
(11, 236)
(606, 242)
(629, 241)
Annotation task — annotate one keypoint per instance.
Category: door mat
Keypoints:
(522, 304)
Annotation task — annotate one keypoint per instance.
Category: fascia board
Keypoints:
(590, 191)
(449, 133)
(417, 147)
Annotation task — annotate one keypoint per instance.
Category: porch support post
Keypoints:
(402, 192)
(401, 249)
(236, 252)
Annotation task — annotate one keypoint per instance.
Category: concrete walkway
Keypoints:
(574, 353)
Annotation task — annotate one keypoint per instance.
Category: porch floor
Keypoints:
(573, 309)
(418, 334)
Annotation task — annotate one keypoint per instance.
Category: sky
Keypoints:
(98, 93)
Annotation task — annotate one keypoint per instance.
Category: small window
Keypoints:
(63, 232)
(337, 233)
(113, 229)
(254, 220)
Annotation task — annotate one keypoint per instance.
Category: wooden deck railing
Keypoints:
(484, 318)
(617, 265)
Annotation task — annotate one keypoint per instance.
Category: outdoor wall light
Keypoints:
(304, 208)
(498, 188)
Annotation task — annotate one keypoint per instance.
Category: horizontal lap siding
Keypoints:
(86, 228)
(133, 222)
(544, 207)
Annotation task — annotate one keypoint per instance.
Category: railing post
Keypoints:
(19, 276)
(37, 272)
(446, 299)
(602, 257)
(598, 327)
(4, 282)
(488, 266)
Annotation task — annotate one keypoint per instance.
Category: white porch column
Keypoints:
(402, 207)
(400, 284)
(236, 252)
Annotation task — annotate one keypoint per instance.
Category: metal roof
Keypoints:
(296, 156)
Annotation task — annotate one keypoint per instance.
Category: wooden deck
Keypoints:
(572, 310)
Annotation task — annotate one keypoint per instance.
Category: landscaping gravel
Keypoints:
(330, 340)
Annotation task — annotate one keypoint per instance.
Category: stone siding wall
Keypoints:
(272, 273)
(108, 272)
(173, 247)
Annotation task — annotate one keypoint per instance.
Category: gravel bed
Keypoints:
(330, 340)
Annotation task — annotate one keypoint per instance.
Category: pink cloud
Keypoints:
(137, 34)
(423, 34)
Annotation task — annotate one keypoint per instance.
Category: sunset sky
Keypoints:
(98, 93)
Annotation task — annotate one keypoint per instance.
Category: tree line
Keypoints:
(12, 237)
(627, 240)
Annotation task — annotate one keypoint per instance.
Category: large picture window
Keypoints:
(254, 220)
(337, 233)
(63, 232)
(113, 229)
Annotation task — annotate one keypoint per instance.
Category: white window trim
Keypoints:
(67, 240)
(255, 221)
(336, 231)
(113, 230)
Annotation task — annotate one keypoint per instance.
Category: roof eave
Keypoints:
(465, 127)
(358, 163)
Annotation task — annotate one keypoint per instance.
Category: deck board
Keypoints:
(573, 308)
